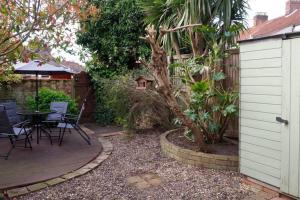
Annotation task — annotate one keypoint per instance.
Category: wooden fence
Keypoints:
(84, 91)
(231, 69)
(232, 81)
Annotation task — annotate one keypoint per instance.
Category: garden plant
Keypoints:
(46, 96)
(209, 101)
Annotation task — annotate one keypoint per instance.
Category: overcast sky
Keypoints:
(273, 8)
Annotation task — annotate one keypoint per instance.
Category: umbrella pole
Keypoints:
(36, 92)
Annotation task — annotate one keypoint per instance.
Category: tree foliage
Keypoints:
(113, 38)
(168, 14)
(210, 26)
(46, 21)
(8, 78)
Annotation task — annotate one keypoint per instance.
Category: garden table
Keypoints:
(36, 118)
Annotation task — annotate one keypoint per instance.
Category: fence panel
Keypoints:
(232, 81)
(84, 90)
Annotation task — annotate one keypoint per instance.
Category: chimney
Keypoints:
(260, 18)
(291, 6)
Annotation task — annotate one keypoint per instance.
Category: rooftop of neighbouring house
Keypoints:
(263, 27)
(73, 65)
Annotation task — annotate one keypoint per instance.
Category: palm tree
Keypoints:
(175, 13)
(184, 15)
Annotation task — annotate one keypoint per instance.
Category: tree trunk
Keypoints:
(197, 42)
(176, 48)
(159, 67)
(224, 128)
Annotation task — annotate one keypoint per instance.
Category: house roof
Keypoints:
(283, 36)
(73, 65)
(280, 25)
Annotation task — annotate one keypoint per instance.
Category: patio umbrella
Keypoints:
(39, 68)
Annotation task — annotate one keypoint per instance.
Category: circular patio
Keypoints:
(45, 161)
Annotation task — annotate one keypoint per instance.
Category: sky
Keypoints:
(273, 8)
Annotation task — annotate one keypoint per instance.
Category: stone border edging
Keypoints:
(106, 151)
(102, 134)
(198, 159)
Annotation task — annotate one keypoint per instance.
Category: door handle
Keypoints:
(280, 120)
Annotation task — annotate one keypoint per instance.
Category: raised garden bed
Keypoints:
(225, 158)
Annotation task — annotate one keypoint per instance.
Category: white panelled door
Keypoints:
(290, 145)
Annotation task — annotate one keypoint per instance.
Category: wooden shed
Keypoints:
(270, 111)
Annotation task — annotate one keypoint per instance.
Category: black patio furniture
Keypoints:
(72, 122)
(11, 110)
(37, 117)
(15, 133)
(60, 109)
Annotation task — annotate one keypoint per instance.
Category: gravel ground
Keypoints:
(138, 156)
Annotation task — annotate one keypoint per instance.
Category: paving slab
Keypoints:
(142, 185)
(55, 181)
(104, 131)
(134, 179)
(154, 182)
(37, 186)
(17, 192)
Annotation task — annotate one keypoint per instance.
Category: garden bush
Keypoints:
(104, 115)
(46, 96)
(210, 105)
(132, 108)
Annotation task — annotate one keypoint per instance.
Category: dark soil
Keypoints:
(225, 148)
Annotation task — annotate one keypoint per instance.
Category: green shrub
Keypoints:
(104, 86)
(46, 96)
(211, 106)
(104, 115)
(119, 102)
(136, 109)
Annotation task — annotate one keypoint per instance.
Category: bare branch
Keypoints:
(178, 28)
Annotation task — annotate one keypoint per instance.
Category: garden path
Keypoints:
(137, 169)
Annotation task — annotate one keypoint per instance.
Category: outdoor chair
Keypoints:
(11, 110)
(60, 109)
(15, 133)
(72, 122)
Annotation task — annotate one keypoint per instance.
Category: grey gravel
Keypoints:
(140, 155)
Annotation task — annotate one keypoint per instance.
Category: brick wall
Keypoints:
(27, 87)
(198, 159)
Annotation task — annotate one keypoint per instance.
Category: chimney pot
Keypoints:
(291, 6)
(260, 18)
